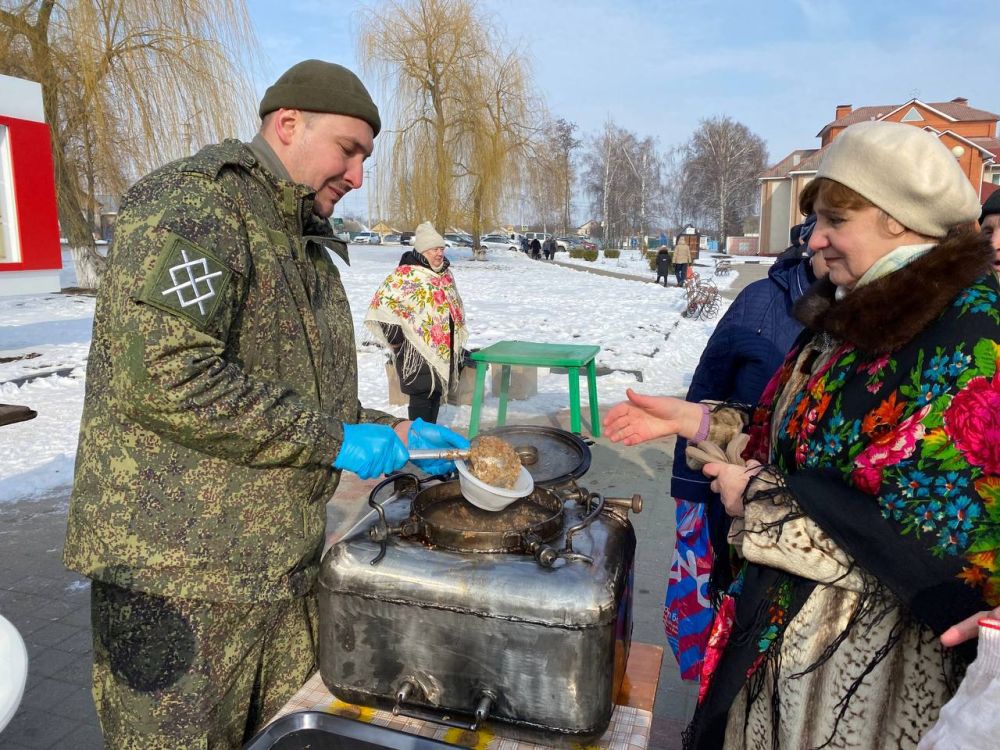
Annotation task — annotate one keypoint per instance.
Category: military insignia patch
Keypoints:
(188, 280)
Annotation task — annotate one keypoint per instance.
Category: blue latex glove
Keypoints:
(424, 435)
(370, 450)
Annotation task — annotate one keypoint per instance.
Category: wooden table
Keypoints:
(536, 354)
(629, 728)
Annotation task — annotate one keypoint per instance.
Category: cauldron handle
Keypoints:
(484, 704)
(380, 531)
(595, 511)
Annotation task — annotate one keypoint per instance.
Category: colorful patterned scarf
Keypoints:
(425, 304)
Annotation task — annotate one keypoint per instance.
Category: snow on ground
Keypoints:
(509, 296)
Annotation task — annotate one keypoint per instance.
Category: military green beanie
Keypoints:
(318, 86)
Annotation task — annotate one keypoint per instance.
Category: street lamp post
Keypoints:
(368, 192)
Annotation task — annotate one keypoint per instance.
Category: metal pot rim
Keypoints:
(509, 539)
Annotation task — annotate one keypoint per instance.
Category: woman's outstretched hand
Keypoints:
(643, 418)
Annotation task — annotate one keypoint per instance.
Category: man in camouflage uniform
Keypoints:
(221, 406)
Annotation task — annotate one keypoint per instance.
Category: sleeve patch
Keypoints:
(187, 280)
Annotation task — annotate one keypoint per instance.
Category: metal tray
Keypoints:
(315, 730)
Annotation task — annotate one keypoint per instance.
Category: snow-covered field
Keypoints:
(509, 296)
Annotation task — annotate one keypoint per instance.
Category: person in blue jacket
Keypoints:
(744, 351)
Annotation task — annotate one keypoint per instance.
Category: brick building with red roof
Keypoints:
(970, 134)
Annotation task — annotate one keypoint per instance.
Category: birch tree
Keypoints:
(721, 164)
(126, 86)
(561, 142)
(622, 177)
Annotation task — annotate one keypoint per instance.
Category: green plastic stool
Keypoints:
(535, 354)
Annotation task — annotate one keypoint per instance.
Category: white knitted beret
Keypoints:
(905, 171)
(426, 237)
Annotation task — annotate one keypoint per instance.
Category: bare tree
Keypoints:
(459, 111)
(496, 139)
(721, 163)
(545, 180)
(561, 142)
(680, 204)
(127, 85)
(623, 177)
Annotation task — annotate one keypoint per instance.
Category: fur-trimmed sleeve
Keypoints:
(776, 533)
(726, 422)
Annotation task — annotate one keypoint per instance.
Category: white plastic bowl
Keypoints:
(487, 496)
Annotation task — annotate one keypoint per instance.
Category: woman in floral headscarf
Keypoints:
(418, 317)
(866, 507)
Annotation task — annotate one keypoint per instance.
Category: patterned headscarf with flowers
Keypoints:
(427, 307)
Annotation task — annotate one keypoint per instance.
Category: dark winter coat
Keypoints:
(663, 262)
(742, 354)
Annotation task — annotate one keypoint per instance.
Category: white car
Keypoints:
(367, 238)
(498, 242)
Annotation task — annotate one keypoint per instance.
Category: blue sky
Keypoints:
(657, 67)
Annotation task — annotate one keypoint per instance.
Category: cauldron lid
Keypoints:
(562, 456)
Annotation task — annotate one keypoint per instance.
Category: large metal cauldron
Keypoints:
(439, 610)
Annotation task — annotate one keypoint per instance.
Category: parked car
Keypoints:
(458, 240)
(498, 242)
(573, 242)
(367, 238)
(391, 239)
(406, 238)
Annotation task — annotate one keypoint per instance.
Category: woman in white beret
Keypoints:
(417, 315)
(866, 505)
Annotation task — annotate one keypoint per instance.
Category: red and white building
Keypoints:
(970, 134)
(30, 253)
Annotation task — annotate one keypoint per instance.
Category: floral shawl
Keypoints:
(425, 304)
(892, 447)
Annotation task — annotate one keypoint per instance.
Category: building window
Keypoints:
(10, 247)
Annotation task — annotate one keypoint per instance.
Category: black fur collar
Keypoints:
(888, 313)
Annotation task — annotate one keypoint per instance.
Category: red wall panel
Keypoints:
(34, 195)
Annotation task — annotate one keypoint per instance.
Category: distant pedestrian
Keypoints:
(536, 249)
(682, 259)
(524, 245)
(663, 264)
(549, 248)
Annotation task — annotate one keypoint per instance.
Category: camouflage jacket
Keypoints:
(221, 371)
